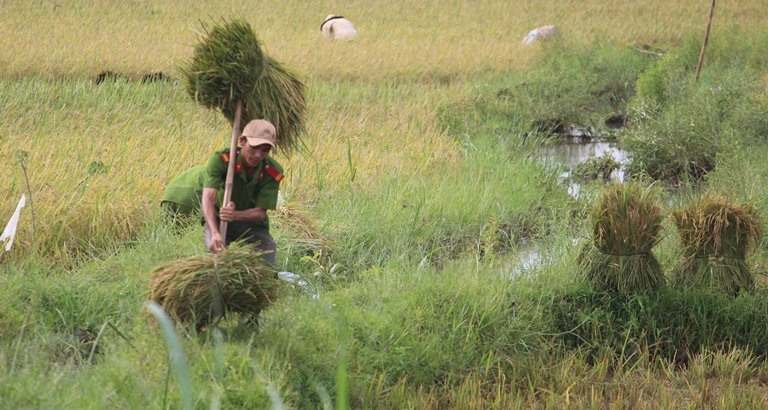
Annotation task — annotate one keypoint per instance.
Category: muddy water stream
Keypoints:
(573, 151)
(565, 155)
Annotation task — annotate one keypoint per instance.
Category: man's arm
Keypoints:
(209, 214)
(229, 214)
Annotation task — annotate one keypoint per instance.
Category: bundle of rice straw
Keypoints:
(626, 222)
(202, 289)
(716, 236)
(229, 65)
(299, 224)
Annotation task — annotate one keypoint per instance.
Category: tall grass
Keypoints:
(679, 128)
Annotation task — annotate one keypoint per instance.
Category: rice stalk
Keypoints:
(229, 65)
(302, 228)
(716, 237)
(279, 97)
(203, 288)
(626, 225)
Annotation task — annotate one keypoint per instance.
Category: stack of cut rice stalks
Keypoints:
(626, 225)
(229, 66)
(293, 219)
(716, 237)
(203, 289)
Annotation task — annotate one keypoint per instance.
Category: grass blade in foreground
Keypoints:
(178, 359)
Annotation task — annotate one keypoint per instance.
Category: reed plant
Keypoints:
(716, 235)
(626, 224)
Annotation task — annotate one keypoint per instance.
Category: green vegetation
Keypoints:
(417, 187)
(596, 168)
(680, 128)
(674, 326)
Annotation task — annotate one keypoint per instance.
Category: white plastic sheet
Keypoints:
(291, 277)
(9, 233)
(539, 34)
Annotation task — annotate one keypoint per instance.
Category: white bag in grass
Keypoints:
(539, 33)
(295, 279)
(10, 230)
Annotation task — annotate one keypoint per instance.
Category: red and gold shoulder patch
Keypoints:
(272, 171)
(225, 159)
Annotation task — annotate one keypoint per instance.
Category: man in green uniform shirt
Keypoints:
(254, 191)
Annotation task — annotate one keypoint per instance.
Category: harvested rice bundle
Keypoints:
(203, 288)
(626, 223)
(300, 225)
(716, 236)
(229, 65)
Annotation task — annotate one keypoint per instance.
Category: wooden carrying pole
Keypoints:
(231, 166)
(706, 39)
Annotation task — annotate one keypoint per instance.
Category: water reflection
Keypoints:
(567, 154)
(527, 257)
(572, 151)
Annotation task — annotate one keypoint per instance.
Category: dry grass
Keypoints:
(299, 225)
(395, 39)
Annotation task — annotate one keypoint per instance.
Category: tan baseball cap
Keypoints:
(259, 132)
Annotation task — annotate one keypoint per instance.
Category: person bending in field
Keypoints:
(182, 197)
(254, 191)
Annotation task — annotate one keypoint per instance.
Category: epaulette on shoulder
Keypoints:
(272, 171)
(225, 159)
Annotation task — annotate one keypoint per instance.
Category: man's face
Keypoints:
(253, 155)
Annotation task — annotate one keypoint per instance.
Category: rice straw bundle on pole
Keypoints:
(716, 236)
(626, 223)
(202, 289)
(229, 66)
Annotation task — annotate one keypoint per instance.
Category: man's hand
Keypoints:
(217, 242)
(227, 213)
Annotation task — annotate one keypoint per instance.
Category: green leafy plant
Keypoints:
(596, 168)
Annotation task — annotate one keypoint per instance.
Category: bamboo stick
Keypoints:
(231, 166)
(706, 39)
